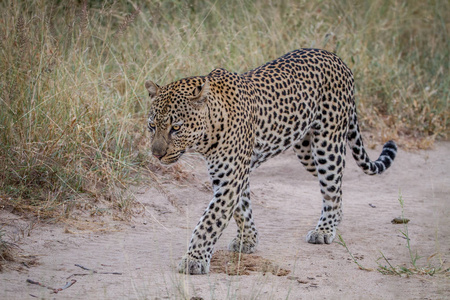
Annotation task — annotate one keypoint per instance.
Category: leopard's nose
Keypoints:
(159, 149)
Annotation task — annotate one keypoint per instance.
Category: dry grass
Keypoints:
(6, 251)
(9, 252)
(68, 119)
(72, 102)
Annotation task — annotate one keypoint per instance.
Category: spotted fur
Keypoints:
(304, 100)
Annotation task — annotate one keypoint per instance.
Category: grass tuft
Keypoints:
(414, 268)
(389, 269)
(6, 250)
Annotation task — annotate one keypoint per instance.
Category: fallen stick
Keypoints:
(84, 268)
(36, 282)
(68, 285)
(96, 272)
(55, 291)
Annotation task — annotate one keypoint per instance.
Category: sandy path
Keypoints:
(286, 204)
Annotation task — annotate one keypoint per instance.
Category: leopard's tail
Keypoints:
(369, 167)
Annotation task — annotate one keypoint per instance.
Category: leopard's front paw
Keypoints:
(193, 266)
(321, 237)
(247, 246)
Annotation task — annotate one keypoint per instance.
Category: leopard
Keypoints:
(303, 100)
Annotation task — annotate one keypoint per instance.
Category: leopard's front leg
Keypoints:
(212, 223)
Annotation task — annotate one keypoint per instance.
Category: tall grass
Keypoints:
(70, 114)
(72, 102)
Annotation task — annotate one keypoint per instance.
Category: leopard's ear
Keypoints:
(152, 88)
(201, 94)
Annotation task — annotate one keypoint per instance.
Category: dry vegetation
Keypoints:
(72, 102)
(6, 250)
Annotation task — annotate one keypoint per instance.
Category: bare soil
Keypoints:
(101, 258)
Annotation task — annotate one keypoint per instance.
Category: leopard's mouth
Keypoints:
(171, 158)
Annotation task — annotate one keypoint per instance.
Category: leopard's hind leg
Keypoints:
(304, 153)
(330, 162)
(247, 235)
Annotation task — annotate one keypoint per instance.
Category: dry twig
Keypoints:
(54, 290)
(92, 272)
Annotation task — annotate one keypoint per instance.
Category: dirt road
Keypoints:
(286, 203)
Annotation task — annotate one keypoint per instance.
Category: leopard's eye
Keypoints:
(176, 127)
(151, 126)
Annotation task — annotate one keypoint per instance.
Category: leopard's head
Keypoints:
(177, 118)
